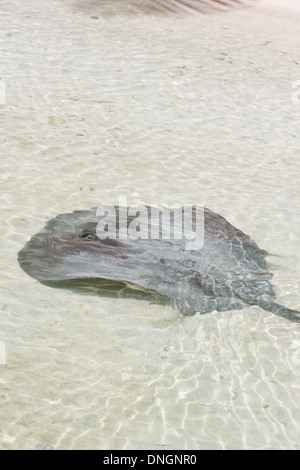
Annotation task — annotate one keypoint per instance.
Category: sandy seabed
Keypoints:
(166, 109)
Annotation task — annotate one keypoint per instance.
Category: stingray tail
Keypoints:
(275, 308)
(279, 310)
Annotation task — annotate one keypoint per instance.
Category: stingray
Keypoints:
(228, 272)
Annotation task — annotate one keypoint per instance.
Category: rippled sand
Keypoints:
(161, 109)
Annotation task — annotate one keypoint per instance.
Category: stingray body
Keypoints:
(228, 272)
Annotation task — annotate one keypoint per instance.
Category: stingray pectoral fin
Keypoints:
(190, 298)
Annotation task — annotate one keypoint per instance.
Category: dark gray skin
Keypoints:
(228, 273)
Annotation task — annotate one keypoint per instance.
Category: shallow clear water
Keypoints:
(161, 109)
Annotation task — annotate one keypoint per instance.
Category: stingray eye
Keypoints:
(84, 234)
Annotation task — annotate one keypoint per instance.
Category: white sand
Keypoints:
(287, 4)
(161, 109)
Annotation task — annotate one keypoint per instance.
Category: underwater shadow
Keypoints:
(109, 289)
(115, 7)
